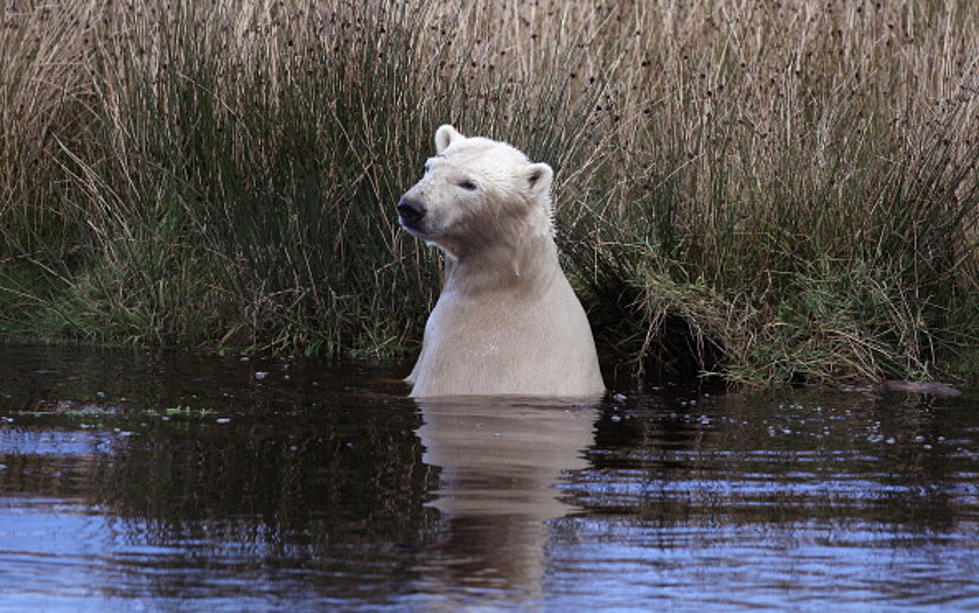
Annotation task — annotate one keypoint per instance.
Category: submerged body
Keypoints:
(507, 321)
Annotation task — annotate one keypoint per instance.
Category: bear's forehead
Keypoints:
(481, 153)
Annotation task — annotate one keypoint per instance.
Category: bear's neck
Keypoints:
(530, 264)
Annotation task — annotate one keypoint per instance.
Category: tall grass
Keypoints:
(768, 191)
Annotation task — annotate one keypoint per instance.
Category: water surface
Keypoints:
(170, 481)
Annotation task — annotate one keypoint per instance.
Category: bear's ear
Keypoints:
(445, 136)
(539, 177)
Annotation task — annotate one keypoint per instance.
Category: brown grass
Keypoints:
(774, 189)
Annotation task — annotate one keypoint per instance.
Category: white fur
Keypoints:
(507, 320)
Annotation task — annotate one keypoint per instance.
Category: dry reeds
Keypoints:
(772, 191)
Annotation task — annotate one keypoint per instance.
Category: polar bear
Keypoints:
(507, 321)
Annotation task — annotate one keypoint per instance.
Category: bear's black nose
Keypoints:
(411, 211)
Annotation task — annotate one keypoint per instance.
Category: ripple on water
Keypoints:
(322, 487)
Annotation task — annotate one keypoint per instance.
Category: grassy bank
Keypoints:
(771, 191)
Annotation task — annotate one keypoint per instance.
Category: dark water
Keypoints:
(139, 481)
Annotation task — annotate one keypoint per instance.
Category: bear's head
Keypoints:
(477, 194)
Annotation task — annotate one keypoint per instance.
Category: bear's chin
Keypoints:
(430, 239)
(412, 230)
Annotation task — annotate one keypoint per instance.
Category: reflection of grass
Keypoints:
(89, 412)
(775, 192)
(186, 411)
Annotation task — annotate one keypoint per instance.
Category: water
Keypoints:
(144, 481)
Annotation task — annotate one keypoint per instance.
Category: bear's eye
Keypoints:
(428, 168)
(467, 185)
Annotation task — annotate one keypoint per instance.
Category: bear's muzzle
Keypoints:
(410, 213)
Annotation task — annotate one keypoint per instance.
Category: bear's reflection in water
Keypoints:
(499, 461)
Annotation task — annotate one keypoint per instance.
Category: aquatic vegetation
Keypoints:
(771, 192)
